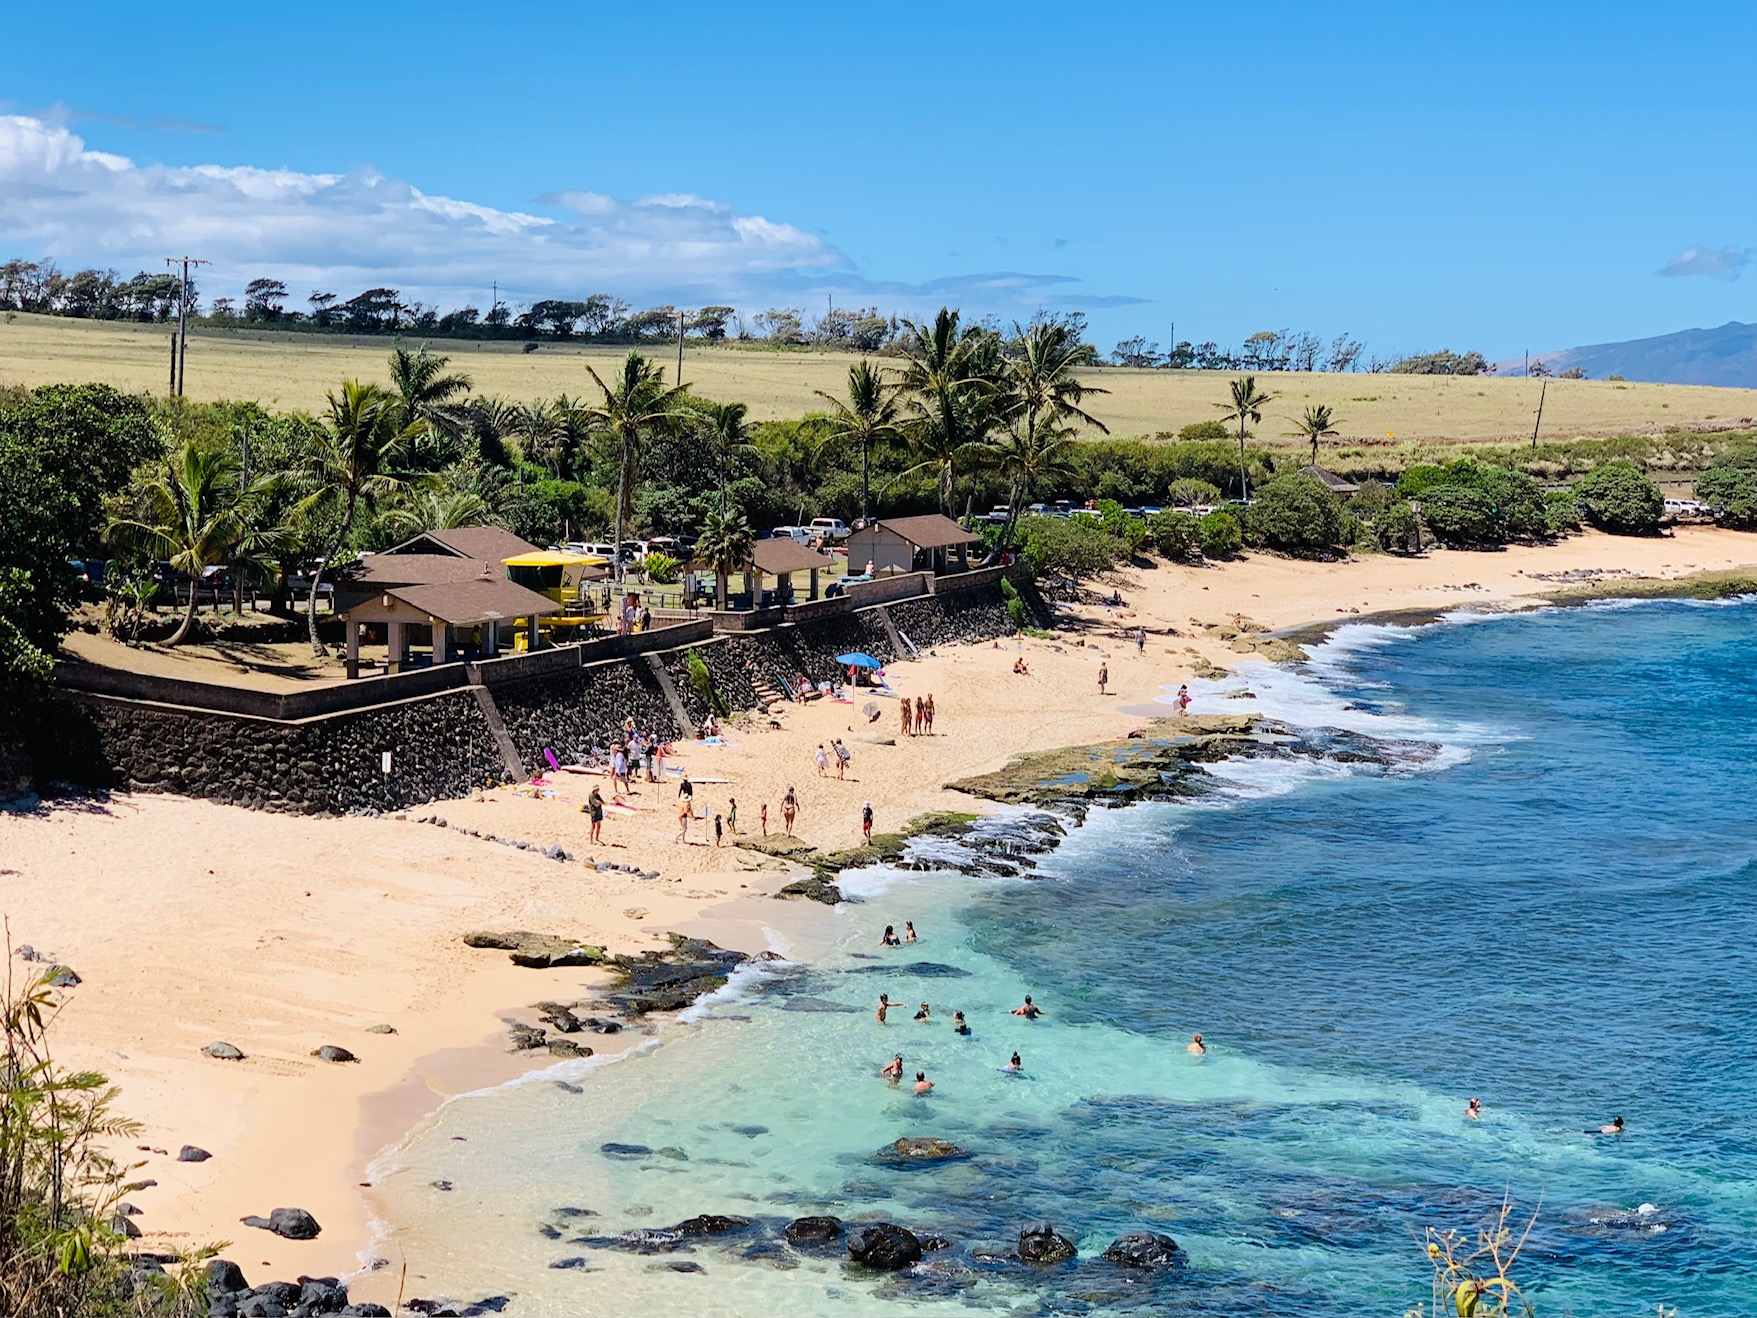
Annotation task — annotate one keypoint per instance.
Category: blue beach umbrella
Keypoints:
(858, 660)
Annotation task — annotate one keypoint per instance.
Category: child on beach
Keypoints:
(1183, 699)
(719, 828)
(866, 824)
(763, 816)
(822, 760)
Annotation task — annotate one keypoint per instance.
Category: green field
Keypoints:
(294, 371)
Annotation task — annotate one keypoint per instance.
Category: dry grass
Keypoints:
(293, 371)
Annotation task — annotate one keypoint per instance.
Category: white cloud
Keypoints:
(1708, 262)
(343, 232)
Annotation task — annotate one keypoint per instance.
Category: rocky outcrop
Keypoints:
(540, 951)
(813, 1230)
(918, 1150)
(1144, 1249)
(289, 1223)
(884, 1246)
(1039, 1243)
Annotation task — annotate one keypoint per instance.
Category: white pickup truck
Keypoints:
(830, 530)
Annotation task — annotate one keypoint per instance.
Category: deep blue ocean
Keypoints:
(1547, 899)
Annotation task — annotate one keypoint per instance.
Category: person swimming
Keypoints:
(1613, 1127)
(1473, 1109)
(890, 938)
(959, 1024)
(922, 1083)
(1015, 1066)
(908, 931)
(1195, 1047)
(893, 1070)
(1029, 1010)
(923, 1013)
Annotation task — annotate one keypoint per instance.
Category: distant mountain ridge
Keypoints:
(1725, 355)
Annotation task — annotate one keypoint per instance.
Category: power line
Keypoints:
(180, 350)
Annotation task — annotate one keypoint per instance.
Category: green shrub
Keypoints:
(1222, 537)
(1371, 499)
(1562, 513)
(1187, 492)
(1197, 431)
(1397, 529)
(1619, 498)
(1419, 476)
(1298, 514)
(1177, 535)
(661, 569)
(1459, 515)
(1068, 546)
(1015, 605)
(703, 682)
(1132, 531)
(1729, 488)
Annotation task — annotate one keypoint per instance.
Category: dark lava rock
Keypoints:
(330, 1053)
(567, 1048)
(576, 1212)
(1039, 1243)
(602, 1026)
(289, 1223)
(1144, 1249)
(933, 1244)
(674, 1153)
(225, 1277)
(193, 1153)
(283, 1293)
(911, 1150)
(676, 1265)
(443, 1186)
(567, 1088)
(366, 1311)
(524, 1038)
(813, 1230)
(127, 1209)
(749, 1132)
(710, 1224)
(920, 969)
(123, 1227)
(225, 1052)
(548, 1232)
(575, 1264)
(322, 1295)
(559, 1018)
(883, 1245)
(614, 1150)
(147, 1185)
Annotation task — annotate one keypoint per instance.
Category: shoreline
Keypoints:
(287, 1131)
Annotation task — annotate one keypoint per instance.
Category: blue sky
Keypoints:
(1482, 176)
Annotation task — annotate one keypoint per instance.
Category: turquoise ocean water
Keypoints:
(1545, 900)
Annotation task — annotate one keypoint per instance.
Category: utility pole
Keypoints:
(1540, 397)
(680, 347)
(182, 318)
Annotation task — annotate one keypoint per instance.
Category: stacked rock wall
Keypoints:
(579, 711)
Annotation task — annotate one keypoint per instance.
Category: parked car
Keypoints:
(829, 529)
(1686, 508)
(799, 533)
(997, 515)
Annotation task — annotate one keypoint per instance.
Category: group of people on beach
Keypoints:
(839, 750)
(917, 721)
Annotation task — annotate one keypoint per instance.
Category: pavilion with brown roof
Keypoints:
(910, 544)
(781, 558)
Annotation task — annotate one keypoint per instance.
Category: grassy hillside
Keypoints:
(293, 371)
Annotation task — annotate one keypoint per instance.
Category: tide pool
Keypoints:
(1537, 890)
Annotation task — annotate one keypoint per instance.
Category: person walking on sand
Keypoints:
(1183, 699)
(930, 712)
(883, 1007)
(719, 828)
(866, 824)
(908, 730)
(1195, 1047)
(763, 817)
(893, 1070)
(684, 815)
(1140, 640)
(594, 807)
(822, 760)
(1103, 678)
(789, 810)
(922, 1084)
(842, 757)
(618, 773)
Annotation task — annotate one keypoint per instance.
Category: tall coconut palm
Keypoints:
(1316, 424)
(950, 379)
(1040, 393)
(1246, 406)
(724, 545)
(441, 509)
(723, 424)
(427, 397)
(869, 418)
(1030, 457)
(193, 515)
(539, 430)
(358, 458)
(633, 405)
(489, 422)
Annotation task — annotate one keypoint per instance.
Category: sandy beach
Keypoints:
(191, 922)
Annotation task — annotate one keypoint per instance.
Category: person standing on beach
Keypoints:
(822, 760)
(719, 828)
(684, 814)
(1103, 678)
(732, 815)
(920, 716)
(763, 817)
(866, 823)
(1183, 699)
(930, 712)
(594, 807)
(1140, 640)
(907, 729)
(789, 810)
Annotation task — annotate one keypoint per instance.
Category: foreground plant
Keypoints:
(1471, 1274)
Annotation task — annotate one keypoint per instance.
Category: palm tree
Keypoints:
(441, 509)
(490, 421)
(194, 516)
(638, 401)
(1316, 424)
(724, 425)
(357, 459)
(427, 397)
(1247, 405)
(1040, 392)
(1030, 457)
(725, 545)
(539, 426)
(868, 418)
(950, 378)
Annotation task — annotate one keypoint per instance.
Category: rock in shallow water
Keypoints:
(1039, 1243)
(883, 1245)
(813, 1230)
(1144, 1249)
(920, 1149)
